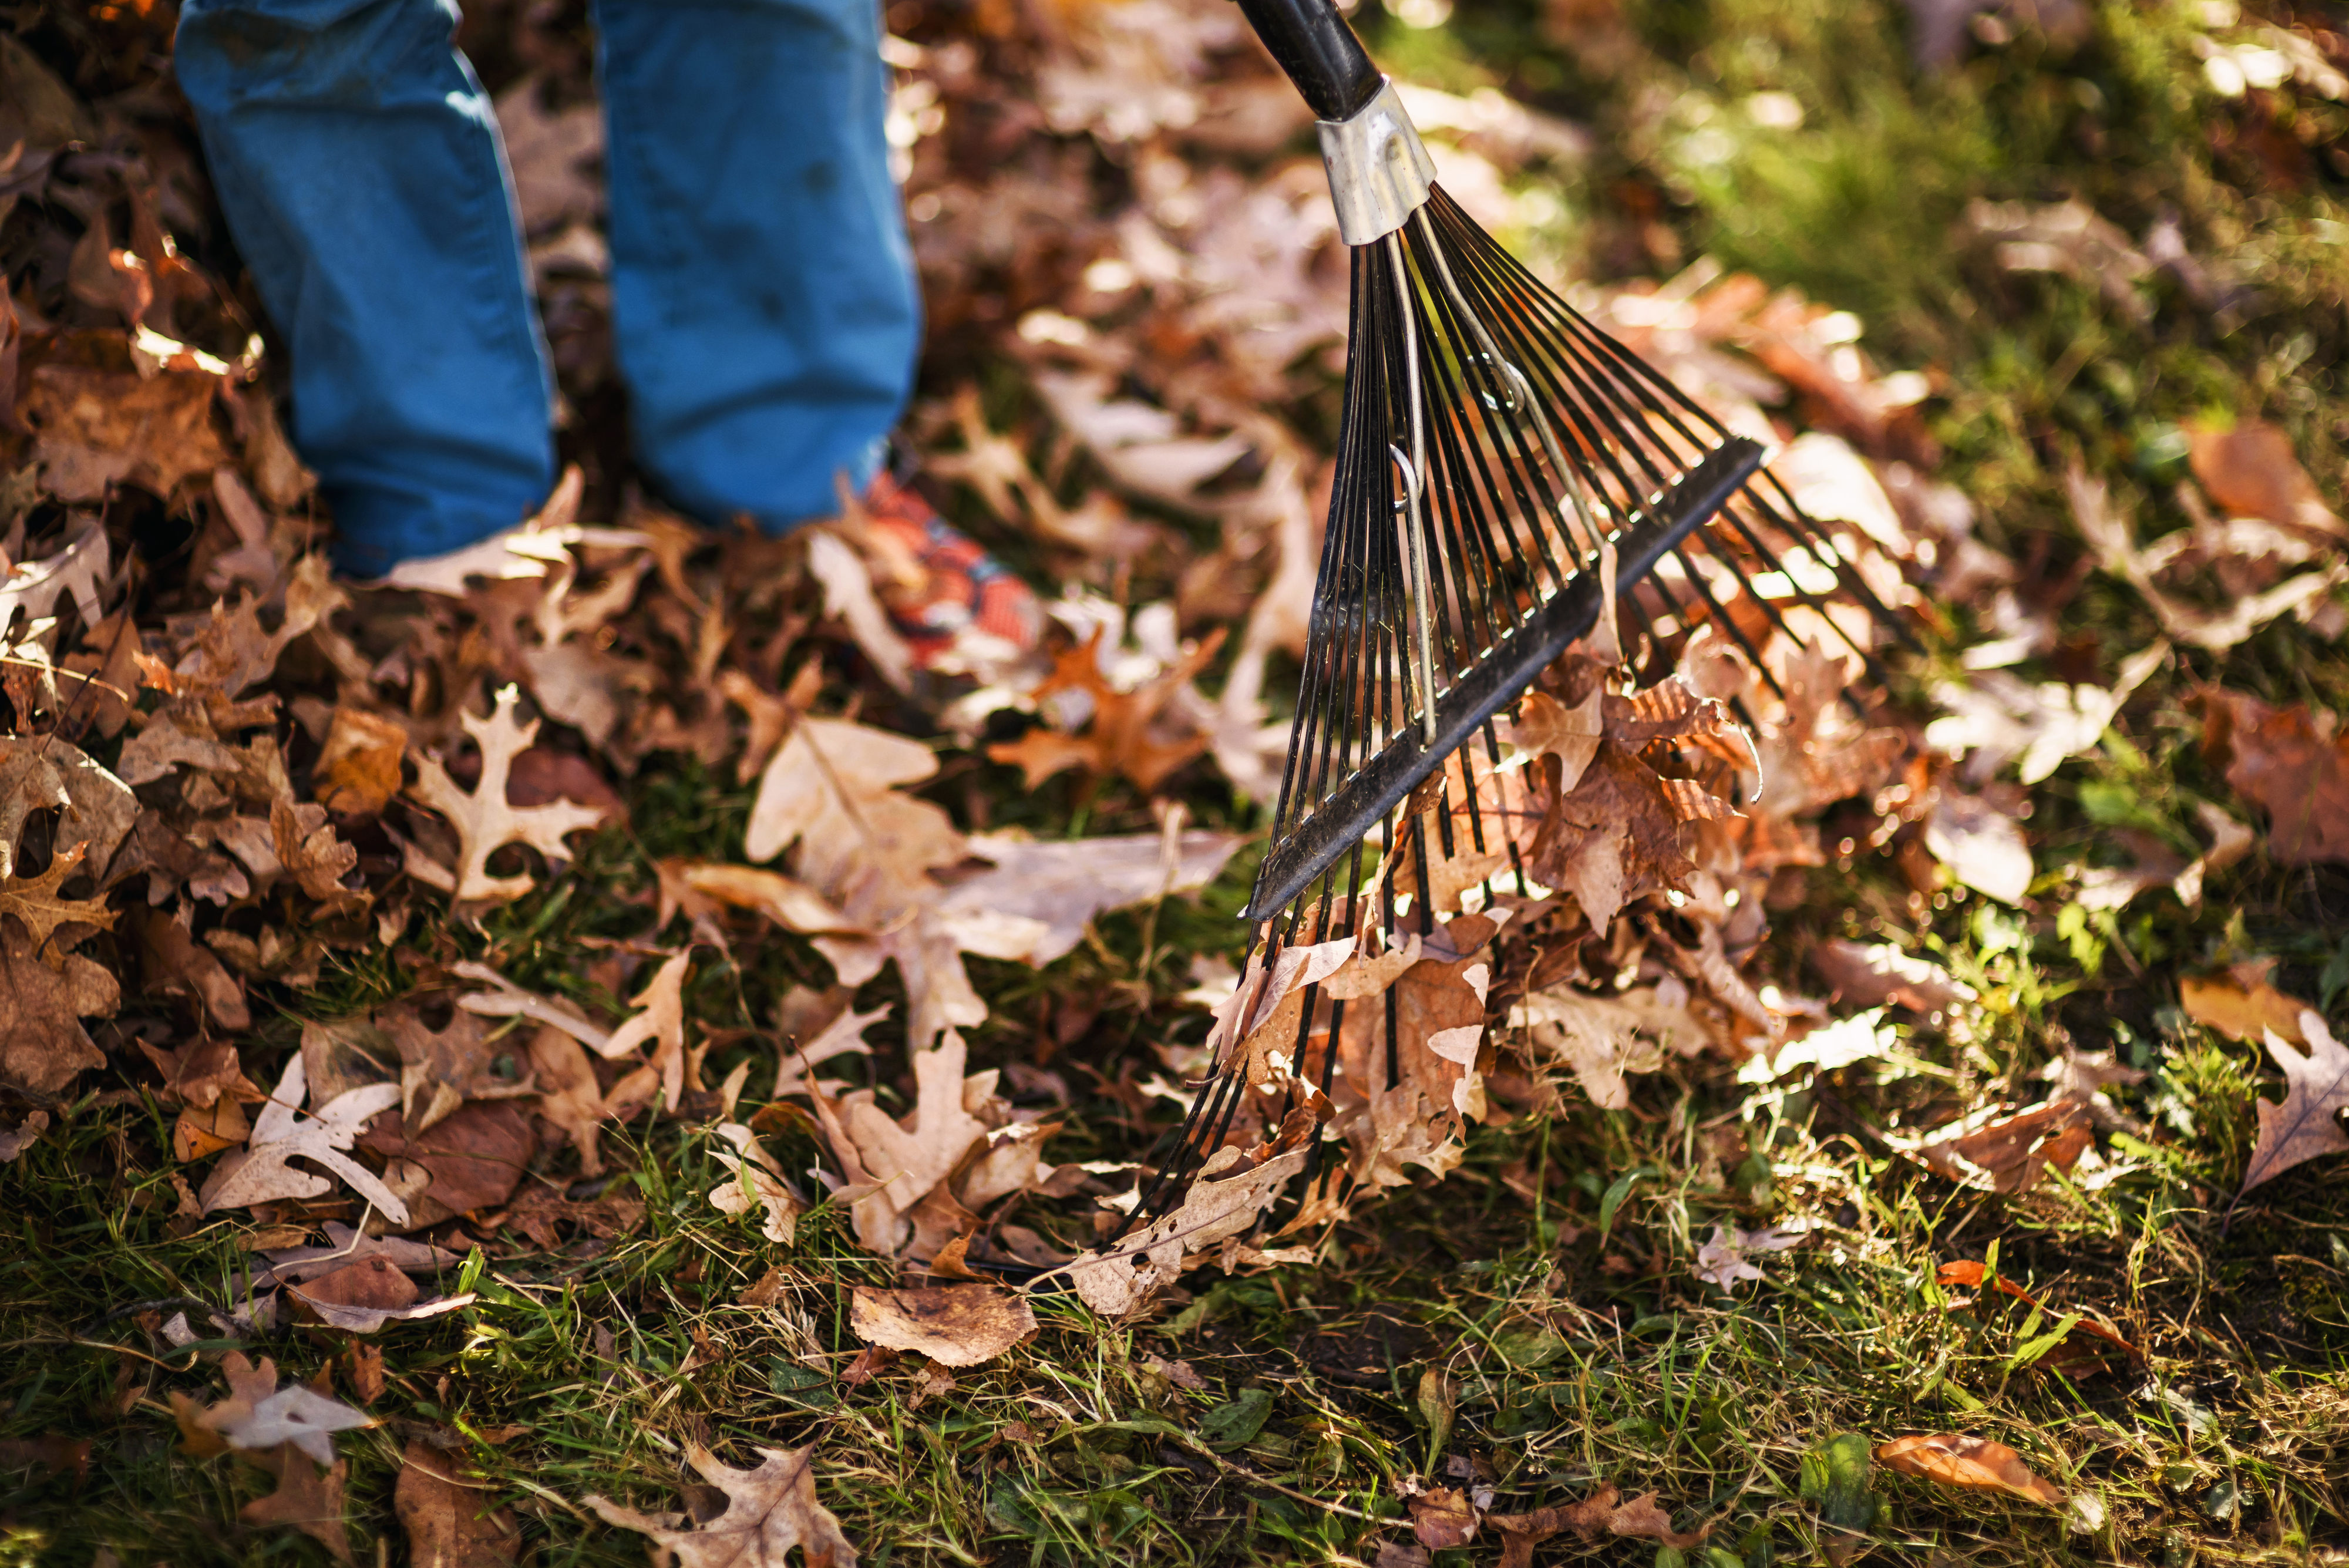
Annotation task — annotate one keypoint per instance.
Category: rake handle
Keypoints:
(1312, 43)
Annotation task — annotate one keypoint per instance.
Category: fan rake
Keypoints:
(1496, 448)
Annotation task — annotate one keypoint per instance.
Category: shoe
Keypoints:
(958, 608)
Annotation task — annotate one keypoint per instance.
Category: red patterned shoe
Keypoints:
(960, 610)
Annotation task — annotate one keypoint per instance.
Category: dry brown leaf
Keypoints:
(43, 772)
(484, 822)
(34, 901)
(358, 767)
(1603, 1513)
(449, 1524)
(2306, 1123)
(199, 1071)
(2291, 763)
(15, 1140)
(1972, 1464)
(262, 1174)
(955, 1325)
(441, 1070)
(1602, 1038)
(568, 1094)
(99, 428)
(1232, 1192)
(172, 962)
(2009, 1154)
(1870, 974)
(2240, 1007)
(1033, 904)
(1128, 732)
(202, 1132)
(790, 904)
(257, 1414)
(2249, 469)
(316, 861)
(306, 1498)
(660, 1022)
(1417, 1114)
(2077, 1354)
(768, 1510)
(757, 1181)
(42, 1045)
(1441, 1518)
(471, 1161)
(908, 1160)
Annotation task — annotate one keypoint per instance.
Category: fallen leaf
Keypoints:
(1982, 846)
(1870, 974)
(2292, 764)
(1229, 1196)
(258, 1415)
(907, 1160)
(484, 822)
(280, 1134)
(469, 1160)
(1968, 1272)
(2248, 468)
(1727, 1257)
(1441, 1517)
(1129, 732)
(2306, 1123)
(756, 1181)
(660, 1022)
(2235, 617)
(1972, 1464)
(2240, 1011)
(767, 1511)
(98, 427)
(1994, 719)
(955, 1325)
(449, 1524)
(2009, 1154)
(1603, 1039)
(358, 773)
(441, 1070)
(1603, 1513)
(306, 1500)
(15, 1140)
(1033, 904)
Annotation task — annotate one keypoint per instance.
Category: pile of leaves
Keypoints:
(404, 905)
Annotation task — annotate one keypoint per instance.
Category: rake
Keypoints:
(1495, 446)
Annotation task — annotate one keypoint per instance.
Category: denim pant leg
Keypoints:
(764, 306)
(359, 165)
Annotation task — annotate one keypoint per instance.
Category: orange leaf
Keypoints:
(1972, 1464)
(2240, 1012)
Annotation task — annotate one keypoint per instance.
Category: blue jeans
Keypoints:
(764, 307)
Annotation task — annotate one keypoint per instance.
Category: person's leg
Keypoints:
(355, 156)
(764, 299)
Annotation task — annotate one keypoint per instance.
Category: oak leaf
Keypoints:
(306, 1498)
(42, 1045)
(359, 768)
(767, 1511)
(484, 821)
(1993, 1152)
(2306, 1123)
(280, 1134)
(35, 901)
(1128, 732)
(2242, 1006)
(955, 1325)
(756, 1180)
(660, 1022)
(907, 1160)
(259, 1415)
(1972, 1464)
(449, 1523)
(440, 1069)
(2293, 764)
(1233, 1190)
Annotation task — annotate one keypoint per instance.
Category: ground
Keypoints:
(1533, 1323)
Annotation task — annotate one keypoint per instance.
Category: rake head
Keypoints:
(1496, 448)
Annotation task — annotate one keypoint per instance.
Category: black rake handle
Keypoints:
(1313, 44)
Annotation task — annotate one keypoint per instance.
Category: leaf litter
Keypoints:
(287, 777)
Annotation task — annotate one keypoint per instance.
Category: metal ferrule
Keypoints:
(1379, 171)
